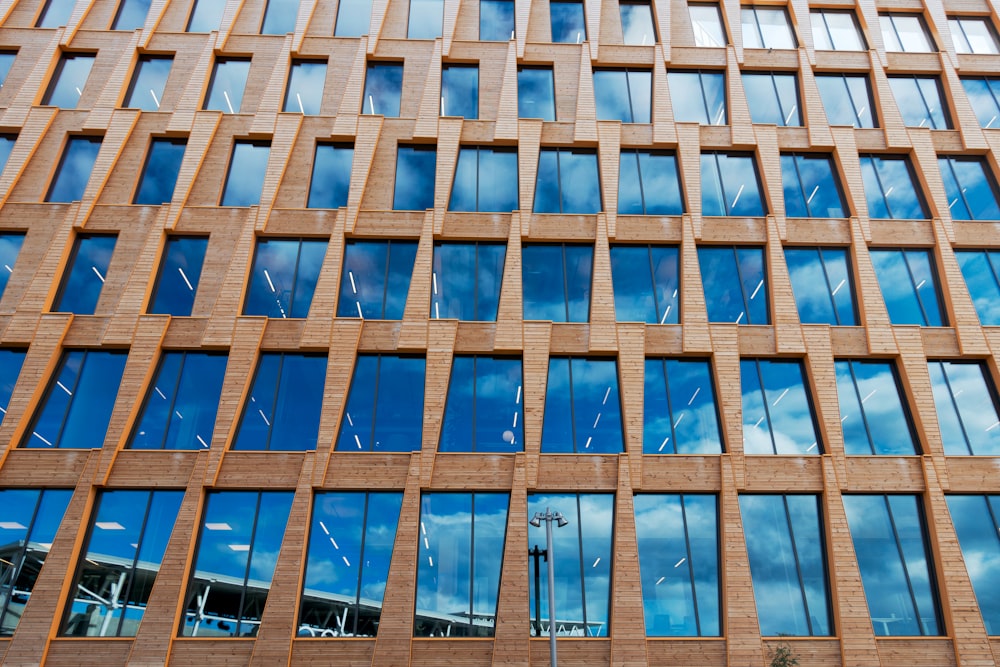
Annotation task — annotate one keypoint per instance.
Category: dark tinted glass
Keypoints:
(283, 277)
(163, 163)
(466, 278)
(555, 280)
(385, 406)
(483, 411)
(376, 279)
(180, 272)
(646, 283)
(85, 274)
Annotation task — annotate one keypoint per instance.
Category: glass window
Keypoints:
(568, 24)
(180, 272)
(55, 13)
(11, 361)
(122, 556)
(238, 543)
(305, 86)
(909, 286)
(567, 181)
(206, 15)
(777, 408)
(415, 171)
(6, 62)
(159, 174)
(905, 32)
(331, 175)
(7, 142)
(645, 296)
(179, 410)
(773, 97)
(225, 90)
(735, 283)
(981, 269)
(74, 169)
(460, 91)
(376, 279)
(466, 280)
(637, 23)
(383, 86)
(69, 80)
(811, 186)
(426, 17)
(556, 282)
(706, 21)
(353, 18)
(835, 30)
(483, 411)
(458, 568)
(31, 518)
(784, 538)
(582, 550)
(823, 286)
(847, 99)
(247, 167)
(623, 95)
(919, 99)
(282, 410)
(872, 414)
(966, 407)
(10, 247)
(984, 96)
(485, 180)
(347, 567)
(582, 410)
(977, 523)
(279, 17)
(889, 542)
(680, 414)
(384, 417)
(85, 274)
(973, 35)
(730, 185)
(76, 408)
(698, 97)
(971, 190)
(146, 89)
(649, 184)
(767, 28)
(536, 97)
(891, 189)
(131, 15)
(496, 20)
(283, 277)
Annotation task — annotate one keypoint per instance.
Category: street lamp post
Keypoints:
(548, 517)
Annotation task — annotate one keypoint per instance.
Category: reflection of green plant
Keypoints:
(782, 656)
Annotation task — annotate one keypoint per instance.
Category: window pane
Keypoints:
(919, 100)
(55, 13)
(11, 361)
(777, 409)
(582, 411)
(466, 280)
(69, 80)
(383, 84)
(76, 408)
(971, 190)
(415, 170)
(425, 19)
(353, 18)
(10, 247)
(180, 272)
(567, 181)
(811, 187)
(284, 276)
(909, 286)
(730, 186)
(179, 410)
(282, 413)
(767, 28)
(983, 95)
(698, 97)
(836, 30)
(485, 180)
(978, 527)
(247, 168)
(680, 414)
(872, 414)
(279, 17)
(159, 175)
(981, 269)
(483, 411)
(773, 98)
(376, 279)
(225, 91)
(891, 189)
(146, 89)
(645, 295)
(973, 35)
(350, 546)
(460, 91)
(6, 62)
(206, 15)
(496, 20)
(649, 184)
(331, 175)
(74, 169)
(385, 406)
(904, 32)
(707, 25)
(305, 86)
(85, 274)
(888, 535)
(735, 284)
(556, 282)
(637, 23)
(568, 24)
(131, 14)
(823, 286)
(623, 95)
(966, 408)
(847, 99)
(536, 96)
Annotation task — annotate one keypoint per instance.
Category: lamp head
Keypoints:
(536, 520)
(561, 520)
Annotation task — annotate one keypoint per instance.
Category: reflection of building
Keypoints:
(301, 322)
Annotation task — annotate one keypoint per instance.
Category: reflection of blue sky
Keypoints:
(680, 415)
(773, 97)
(871, 410)
(846, 99)
(556, 282)
(734, 283)
(484, 408)
(568, 182)
(331, 175)
(485, 180)
(56, 13)
(453, 294)
(643, 295)
(919, 100)
(283, 277)
(229, 78)
(496, 20)
(383, 85)
(11, 360)
(353, 18)
(206, 15)
(836, 30)
(983, 94)
(707, 25)
(970, 189)
(87, 272)
(567, 22)
(909, 286)
(821, 281)
(976, 523)
(698, 97)
(279, 17)
(582, 409)
(811, 187)
(729, 185)
(637, 23)
(649, 184)
(460, 90)
(283, 408)
(981, 269)
(415, 173)
(160, 173)
(536, 95)
(376, 279)
(245, 179)
(777, 417)
(623, 95)
(177, 282)
(385, 405)
(148, 82)
(69, 80)
(131, 14)
(305, 85)
(74, 169)
(425, 19)
(6, 62)
(890, 188)
(966, 408)
(10, 246)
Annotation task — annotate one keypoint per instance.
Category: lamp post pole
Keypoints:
(535, 554)
(548, 517)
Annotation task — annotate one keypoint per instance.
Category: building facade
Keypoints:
(309, 306)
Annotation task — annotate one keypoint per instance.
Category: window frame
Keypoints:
(154, 141)
(875, 441)
(820, 14)
(763, 375)
(569, 289)
(567, 198)
(919, 82)
(224, 200)
(609, 87)
(190, 281)
(874, 161)
(959, 22)
(128, 101)
(729, 211)
(69, 285)
(304, 63)
(774, 77)
(988, 185)
(934, 276)
(412, 429)
(56, 82)
(761, 42)
(681, 79)
(887, 20)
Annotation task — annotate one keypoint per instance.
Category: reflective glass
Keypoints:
(131, 14)
(305, 86)
(823, 286)
(649, 184)
(460, 91)
(282, 411)
(895, 564)
(698, 97)
(536, 96)
(350, 546)
(76, 408)
(11, 361)
(811, 186)
(279, 17)
(283, 277)
(905, 32)
(496, 20)
(180, 272)
(637, 23)
(582, 409)
(680, 414)
(483, 411)
(909, 286)
(966, 408)
(646, 296)
(555, 282)
(981, 269)
(458, 566)
(353, 18)
(415, 171)
(973, 35)
(146, 89)
(773, 97)
(10, 247)
(426, 17)
(735, 284)
(485, 180)
(74, 169)
(466, 278)
(122, 556)
(567, 181)
(225, 91)
(777, 409)
(6, 146)
(623, 95)
(31, 518)
(238, 544)
(568, 24)
(85, 274)
(730, 185)
(6, 62)
(159, 174)
(55, 13)
(376, 279)
(331, 175)
(68, 80)
(984, 96)
(767, 28)
(383, 86)
(891, 189)
(977, 523)
(847, 99)
(836, 30)
(247, 168)
(920, 101)
(971, 190)
(872, 414)
(784, 538)
(385, 406)
(582, 550)
(707, 25)
(206, 15)
(179, 410)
